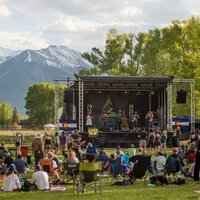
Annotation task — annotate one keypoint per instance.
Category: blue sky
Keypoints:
(83, 24)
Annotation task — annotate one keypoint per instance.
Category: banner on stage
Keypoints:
(67, 125)
(92, 131)
(183, 122)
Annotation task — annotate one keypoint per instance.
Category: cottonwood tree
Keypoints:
(40, 103)
(5, 115)
(121, 55)
(15, 116)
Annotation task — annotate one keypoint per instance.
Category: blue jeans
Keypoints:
(38, 156)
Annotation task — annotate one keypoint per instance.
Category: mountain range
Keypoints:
(20, 69)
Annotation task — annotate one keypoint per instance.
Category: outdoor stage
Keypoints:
(109, 94)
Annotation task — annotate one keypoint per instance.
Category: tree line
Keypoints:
(169, 51)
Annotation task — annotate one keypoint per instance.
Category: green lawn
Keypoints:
(138, 192)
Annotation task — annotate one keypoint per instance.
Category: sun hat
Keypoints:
(38, 136)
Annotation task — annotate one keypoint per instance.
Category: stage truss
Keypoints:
(192, 101)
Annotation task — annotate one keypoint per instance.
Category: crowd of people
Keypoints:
(65, 147)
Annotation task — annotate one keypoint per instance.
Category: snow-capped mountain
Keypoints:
(20, 69)
(6, 53)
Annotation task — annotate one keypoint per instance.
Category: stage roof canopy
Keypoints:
(121, 83)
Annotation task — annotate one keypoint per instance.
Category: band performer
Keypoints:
(149, 119)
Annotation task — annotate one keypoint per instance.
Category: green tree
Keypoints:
(174, 50)
(5, 115)
(15, 116)
(121, 56)
(40, 103)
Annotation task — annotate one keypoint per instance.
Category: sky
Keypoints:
(83, 24)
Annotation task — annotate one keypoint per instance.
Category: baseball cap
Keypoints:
(12, 167)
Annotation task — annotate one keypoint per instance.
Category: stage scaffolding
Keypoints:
(192, 101)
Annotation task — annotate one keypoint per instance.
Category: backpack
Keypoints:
(173, 164)
(28, 186)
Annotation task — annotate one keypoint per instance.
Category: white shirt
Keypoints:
(160, 163)
(11, 182)
(41, 179)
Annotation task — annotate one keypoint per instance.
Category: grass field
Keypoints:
(137, 191)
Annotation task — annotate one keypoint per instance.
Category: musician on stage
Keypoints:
(135, 119)
(149, 119)
(89, 118)
(119, 120)
(104, 119)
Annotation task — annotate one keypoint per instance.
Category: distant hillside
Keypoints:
(20, 69)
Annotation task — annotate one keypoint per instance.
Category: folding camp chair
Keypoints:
(89, 177)
(116, 169)
(24, 151)
(140, 167)
(71, 170)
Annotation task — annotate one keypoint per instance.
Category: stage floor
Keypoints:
(112, 139)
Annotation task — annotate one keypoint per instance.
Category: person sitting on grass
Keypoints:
(2, 165)
(56, 168)
(41, 178)
(159, 163)
(174, 163)
(21, 164)
(11, 182)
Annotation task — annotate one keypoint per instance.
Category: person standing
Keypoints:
(18, 142)
(163, 140)
(143, 139)
(176, 137)
(151, 141)
(197, 163)
(149, 119)
(136, 117)
(63, 142)
(119, 120)
(104, 120)
(38, 148)
(89, 120)
(47, 143)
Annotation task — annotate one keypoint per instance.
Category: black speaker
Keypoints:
(181, 96)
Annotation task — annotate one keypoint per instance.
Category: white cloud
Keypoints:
(84, 23)
(21, 40)
(130, 11)
(72, 24)
(4, 11)
(77, 25)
